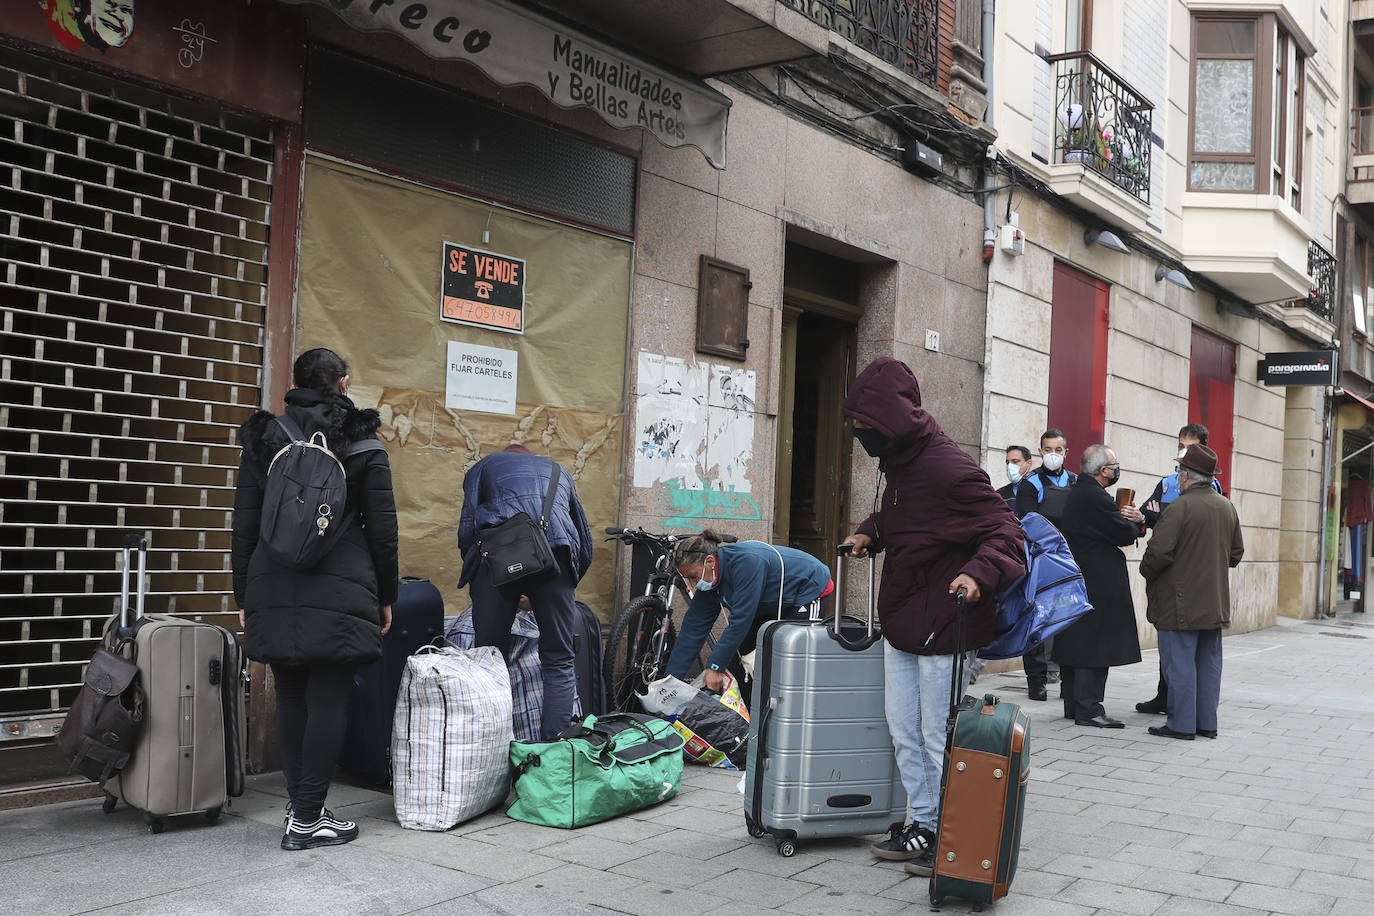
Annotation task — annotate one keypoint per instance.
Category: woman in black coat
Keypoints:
(314, 626)
(1106, 636)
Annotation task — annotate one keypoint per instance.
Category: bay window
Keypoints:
(1247, 114)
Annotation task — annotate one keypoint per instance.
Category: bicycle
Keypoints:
(643, 633)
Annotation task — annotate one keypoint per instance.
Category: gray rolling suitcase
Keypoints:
(821, 762)
(188, 758)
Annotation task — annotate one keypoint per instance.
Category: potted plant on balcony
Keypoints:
(1130, 171)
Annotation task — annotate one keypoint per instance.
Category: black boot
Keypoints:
(1156, 705)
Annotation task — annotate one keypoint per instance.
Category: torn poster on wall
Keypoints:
(694, 424)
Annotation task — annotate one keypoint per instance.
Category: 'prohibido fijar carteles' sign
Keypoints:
(483, 288)
(481, 378)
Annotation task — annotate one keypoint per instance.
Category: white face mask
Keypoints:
(1053, 462)
(1181, 453)
(1014, 473)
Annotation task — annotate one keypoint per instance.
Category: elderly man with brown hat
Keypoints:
(1196, 540)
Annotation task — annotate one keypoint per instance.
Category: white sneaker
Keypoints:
(326, 830)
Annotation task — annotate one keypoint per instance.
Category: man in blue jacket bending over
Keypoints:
(494, 490)
(754, 582)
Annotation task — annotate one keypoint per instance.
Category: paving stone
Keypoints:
(676, 871)
(862, 879)
(593, 851)
(1311, 861)
(1336, 885)
(1113, 898)
(762, 857)
(1185, 884)
(499, 863)
(1281, 900)
(763, 890)
(824, 901)
(646, 898)
(695, 845)
(1100, 870)
(1156, 858)
(518, 835)
(579, 884)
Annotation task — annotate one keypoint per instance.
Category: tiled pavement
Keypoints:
(1274, 816)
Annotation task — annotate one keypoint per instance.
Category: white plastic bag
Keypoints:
(450, 739)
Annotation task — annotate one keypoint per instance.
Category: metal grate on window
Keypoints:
(133, 240)
(357, 109)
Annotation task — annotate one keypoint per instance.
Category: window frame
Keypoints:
(1278, 169)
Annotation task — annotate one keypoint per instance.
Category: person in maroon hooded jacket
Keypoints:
(944, 530)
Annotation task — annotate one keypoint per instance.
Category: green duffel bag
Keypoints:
(598, 769)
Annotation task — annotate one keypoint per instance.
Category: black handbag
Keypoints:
(517, 550)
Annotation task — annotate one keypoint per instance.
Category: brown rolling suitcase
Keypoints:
(188, 757)
(982, 793)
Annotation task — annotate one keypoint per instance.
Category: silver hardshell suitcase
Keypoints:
(188, 757)
(821, 762)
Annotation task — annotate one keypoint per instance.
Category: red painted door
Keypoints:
(1078, 359)
(1212, 396)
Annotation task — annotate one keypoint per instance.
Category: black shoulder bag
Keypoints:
(517, 550)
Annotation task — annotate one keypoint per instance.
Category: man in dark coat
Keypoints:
(1106, 636)
(495, 489)
(945, 531)
(1165, 492)
(1196, 540)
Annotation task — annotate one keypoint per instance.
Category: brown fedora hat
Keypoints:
(1201, 459)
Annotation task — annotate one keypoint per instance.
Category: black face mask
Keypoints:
(874, 442)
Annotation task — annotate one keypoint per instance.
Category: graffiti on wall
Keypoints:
(99, 24)
(693, 507)
(694, 425)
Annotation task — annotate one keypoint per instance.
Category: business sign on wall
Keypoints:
(1310, 367)
(483, 288)
(518, 47)
(481, 378)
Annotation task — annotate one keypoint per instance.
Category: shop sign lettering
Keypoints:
(516, 46)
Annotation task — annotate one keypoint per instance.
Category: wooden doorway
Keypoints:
(811, 504)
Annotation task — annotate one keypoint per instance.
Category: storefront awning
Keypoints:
(1369, 405)
(518, 47)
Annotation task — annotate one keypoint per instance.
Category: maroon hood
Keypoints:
(887, 397)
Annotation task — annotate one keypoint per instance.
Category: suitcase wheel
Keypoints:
(109, 803)
(212, 816)
(155, 824)
(787, 848)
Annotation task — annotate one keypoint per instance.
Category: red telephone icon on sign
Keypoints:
(483, 289)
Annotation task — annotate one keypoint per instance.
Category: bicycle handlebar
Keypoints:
(631, 535)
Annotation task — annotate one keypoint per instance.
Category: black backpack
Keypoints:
(303, 500)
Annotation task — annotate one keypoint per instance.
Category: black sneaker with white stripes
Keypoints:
(325, 830)
(904, 842)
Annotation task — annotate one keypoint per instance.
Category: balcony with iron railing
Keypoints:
(1103, 130)
(1103, 123)
(1313, 315)
(902, 33)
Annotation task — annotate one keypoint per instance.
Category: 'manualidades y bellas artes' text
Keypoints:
(613, 86)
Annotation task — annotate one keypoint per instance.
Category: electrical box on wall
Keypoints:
(1013, 240)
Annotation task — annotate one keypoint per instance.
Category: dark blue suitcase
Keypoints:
(587, 652)
(417, 618)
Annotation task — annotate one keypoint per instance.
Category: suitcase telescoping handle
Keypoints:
(833, 623)
(133, 541)
(956, 669)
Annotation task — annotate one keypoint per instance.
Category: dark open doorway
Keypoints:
(814, 446)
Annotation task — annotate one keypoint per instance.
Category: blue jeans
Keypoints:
(1191, 662)
(917, 706)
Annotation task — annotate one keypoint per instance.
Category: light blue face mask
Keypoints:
(703, 585)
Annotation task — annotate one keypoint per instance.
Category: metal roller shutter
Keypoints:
(134, 240)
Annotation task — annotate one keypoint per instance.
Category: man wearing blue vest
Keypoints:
(1046, 491)
(1166, 491)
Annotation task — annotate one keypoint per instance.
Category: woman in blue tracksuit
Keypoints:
(744, 579)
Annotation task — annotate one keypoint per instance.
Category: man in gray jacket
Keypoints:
(1196, 540)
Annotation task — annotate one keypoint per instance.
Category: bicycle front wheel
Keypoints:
(637, 651)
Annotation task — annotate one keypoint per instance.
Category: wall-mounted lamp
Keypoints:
(1176, 277)
(1109, 240)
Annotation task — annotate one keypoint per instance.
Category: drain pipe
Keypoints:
(990, 169)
